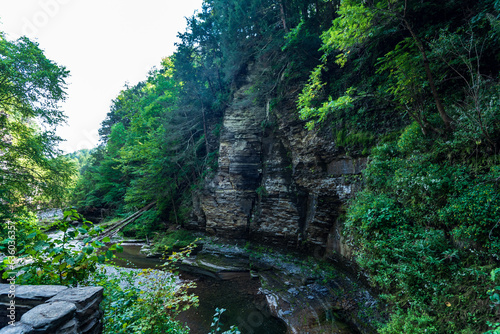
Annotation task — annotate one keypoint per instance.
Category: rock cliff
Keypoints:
(276, 182)
(282, 185)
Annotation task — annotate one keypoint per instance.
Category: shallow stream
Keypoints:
(245, 307)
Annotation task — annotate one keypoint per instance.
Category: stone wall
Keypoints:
(51, 309)
(277, 182)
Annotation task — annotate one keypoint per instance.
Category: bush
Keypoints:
(373, 212)
(410, 322)
(143, 226)
(59, 261)
(172, 240)
(425, 231)
(145, 302)
(473, 215)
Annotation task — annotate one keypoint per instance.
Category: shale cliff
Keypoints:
(276, 182)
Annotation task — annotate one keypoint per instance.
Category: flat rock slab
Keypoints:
(31, 292)
(70, 327)
(49, 316)
(18, 328)
(79, 296)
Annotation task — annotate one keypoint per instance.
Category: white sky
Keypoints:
(103, 43)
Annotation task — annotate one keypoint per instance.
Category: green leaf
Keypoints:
(109, 255)
(57, 258)
(32, 235)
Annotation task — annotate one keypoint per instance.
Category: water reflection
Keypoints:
(245, 307)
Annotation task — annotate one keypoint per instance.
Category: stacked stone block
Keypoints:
(52, 309)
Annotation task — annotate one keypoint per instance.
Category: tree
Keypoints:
(392, 43)
(153, 148)
(31, 87)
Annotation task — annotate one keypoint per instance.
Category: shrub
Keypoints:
(473, 215)
(60, 261)
(147, 301)
(172, 240)
(424, 230)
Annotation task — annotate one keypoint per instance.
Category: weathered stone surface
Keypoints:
(92, 323)
(81, 297)
(17, 328)
(229, 198)
(277, 182)
(345, 165)
(217, 265)
(30, 294)
(26, 297)
(71, 327)
(302, 297)
(50, 316)
(305, 309)
(96, 328)
(69, 311)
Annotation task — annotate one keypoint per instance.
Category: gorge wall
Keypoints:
(276, 182)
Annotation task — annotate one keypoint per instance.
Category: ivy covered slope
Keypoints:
(426, 227)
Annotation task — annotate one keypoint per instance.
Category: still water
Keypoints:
(245, 307)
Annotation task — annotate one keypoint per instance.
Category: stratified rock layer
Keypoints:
(51, 309)
(229, 200)
(276, 182)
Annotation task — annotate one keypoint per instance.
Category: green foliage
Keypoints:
(424, 230)
(45, 260)
(172, 241)
(154, 151)
(261, 192)
(31, 87)
(473, 214)
(143, 226)
(404, 61)
(349, 30)
(145, 301)
(374, 212)
(351, 140)
(216, 324)
(495, 299)
(320, 113)
(411, 322)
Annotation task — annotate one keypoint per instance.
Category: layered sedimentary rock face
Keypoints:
(276, 181)
(229, 200)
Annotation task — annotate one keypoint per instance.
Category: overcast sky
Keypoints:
(103, 43)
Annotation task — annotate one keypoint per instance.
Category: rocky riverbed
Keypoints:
(305, 296)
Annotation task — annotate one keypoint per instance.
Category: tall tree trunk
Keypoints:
(282, 14)
(175, 211)
(207, 148)
(442, 113)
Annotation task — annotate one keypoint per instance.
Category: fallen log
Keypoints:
(118, 226)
